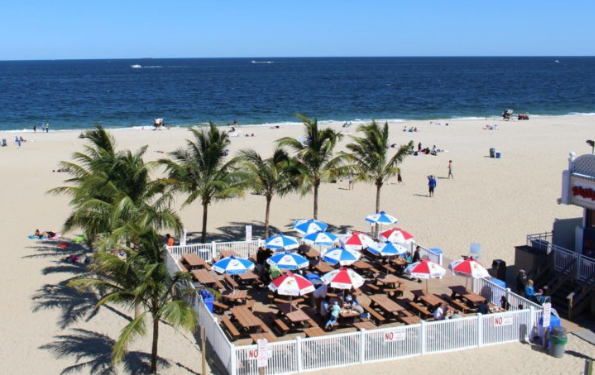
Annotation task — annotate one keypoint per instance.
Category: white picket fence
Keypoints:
(308, 354)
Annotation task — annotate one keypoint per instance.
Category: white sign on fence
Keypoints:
(263, 355)
(503, 321)
(547, 313)
(248, 233)
(395, 336)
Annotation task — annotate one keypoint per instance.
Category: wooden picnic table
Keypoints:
(429, 299)
(365, 325)
(205, 277)
(314, 332)
(248, 277)
(389, 306)
(263, 335)
(389, 280)
(324, 267)
(195, 262)
(467, 295)
(348, 313)
(292, 313)
(311, 253)
(248, 320)
(364, 267)
(236, 295)
(226, 254)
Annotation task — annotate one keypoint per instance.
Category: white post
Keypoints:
(423, 337)
(362, 346)
(531, 323)
(479, 330)
(183, 239)
(213, 250)
(233, 359)
(298, 353)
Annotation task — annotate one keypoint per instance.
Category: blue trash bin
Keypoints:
(207, 298)
(554, 322)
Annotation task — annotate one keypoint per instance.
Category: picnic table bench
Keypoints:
(364, 325)
(459, 291)
(231, 329)
(314, 332)
(376, 316)
(195, 262)
(264, 335)
(230, 281)
(235, 296)
(410, 319)
(205, 277)
(457, 304)
(429, 299)
(420, 309)
(249, 277)
(391, 308)
(247, 320)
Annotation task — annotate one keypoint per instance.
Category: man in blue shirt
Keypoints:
(431, 185)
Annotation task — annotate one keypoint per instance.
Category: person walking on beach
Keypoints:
(450, 174)
(431, 185)
(47, 127)
(350, 180)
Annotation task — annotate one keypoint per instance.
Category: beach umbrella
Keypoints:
(356, 240)
(288, 261)
(425, 269)
(291, 284)
(321, 238)
(343, 278)
(397, 235)
(281, 241)
(233, 266)
(469, 268)
(381, 218)
(341, 255)
(308, 226)
(387, 248)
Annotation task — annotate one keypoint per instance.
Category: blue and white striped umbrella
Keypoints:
(341, 255)
(321, 238)
(233, 265)
(281, 241)
(308, 226)
(387, 249)
(382, 218)
(288, 261)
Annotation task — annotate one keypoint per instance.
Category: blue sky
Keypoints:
(67, 29)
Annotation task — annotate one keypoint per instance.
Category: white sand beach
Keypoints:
(495, 202)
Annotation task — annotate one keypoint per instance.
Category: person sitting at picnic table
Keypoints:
(532, 294)
(483, 308)
(334, 315)
(454, 314)
(440, 312)
(274, 272)
(352, 303)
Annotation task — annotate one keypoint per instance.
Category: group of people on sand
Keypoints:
(411, 129)
(491, 127)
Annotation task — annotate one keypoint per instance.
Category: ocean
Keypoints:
(77, 94)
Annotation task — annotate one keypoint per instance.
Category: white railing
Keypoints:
(300, 355)
(428, 254)
(562, 257)
(212, 250)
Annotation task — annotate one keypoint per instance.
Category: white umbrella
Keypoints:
(281, 241)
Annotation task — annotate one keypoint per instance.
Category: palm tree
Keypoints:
(268, 176)
(202, 171)
(369, 158)
(141, 278)
(113, 189)
(316, 156)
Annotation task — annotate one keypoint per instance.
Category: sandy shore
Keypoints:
(494, 202)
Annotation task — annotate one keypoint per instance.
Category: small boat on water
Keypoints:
(135, 66)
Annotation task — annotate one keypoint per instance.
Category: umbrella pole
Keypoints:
(426, 285)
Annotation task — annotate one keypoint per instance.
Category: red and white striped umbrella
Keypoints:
(356, 241)
(470, 268)
(343, 278)
(425, 269)
(397, 235)
(291, 285)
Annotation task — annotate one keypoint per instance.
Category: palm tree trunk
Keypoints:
(266, 217)
(154, 348)
(205, 210)
(378, 187)
(316, 184)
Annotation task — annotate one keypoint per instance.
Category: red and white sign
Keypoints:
(263, 356)
(395, 336)
(503, 321)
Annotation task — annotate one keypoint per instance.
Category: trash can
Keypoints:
(554, 322)
(499, 269)
(492, 152)
(498, 154)
(207, 298)
(558, 340)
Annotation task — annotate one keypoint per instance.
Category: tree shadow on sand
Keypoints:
(92, 354)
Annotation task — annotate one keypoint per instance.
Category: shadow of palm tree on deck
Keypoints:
(92, 354)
